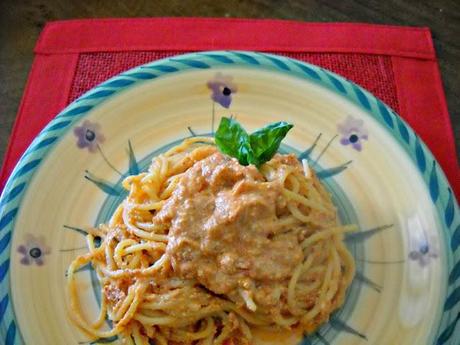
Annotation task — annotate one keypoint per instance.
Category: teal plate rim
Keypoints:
(439, 189)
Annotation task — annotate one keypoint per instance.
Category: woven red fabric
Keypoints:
(397, 64)
(94, 68)
(373, 72)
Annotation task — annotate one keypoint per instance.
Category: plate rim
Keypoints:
(435, 180)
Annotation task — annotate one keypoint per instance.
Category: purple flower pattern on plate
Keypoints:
(222, 88)
(89, 135)
(33, 250)
(352, 132)
(423, 255)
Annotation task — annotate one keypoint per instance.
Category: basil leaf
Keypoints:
(233, 140)
(257, 148)
(266, 141)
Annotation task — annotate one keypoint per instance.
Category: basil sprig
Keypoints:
(256, 148)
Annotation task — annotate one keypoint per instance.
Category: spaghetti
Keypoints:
(204, 249)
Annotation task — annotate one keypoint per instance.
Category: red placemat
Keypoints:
(397, 64)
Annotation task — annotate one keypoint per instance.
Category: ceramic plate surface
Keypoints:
(382, 177)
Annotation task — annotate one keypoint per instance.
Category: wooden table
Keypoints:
(21, 22)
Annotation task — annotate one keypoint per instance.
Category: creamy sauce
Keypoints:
(223, 220)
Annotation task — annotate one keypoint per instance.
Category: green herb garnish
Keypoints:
(256, 148)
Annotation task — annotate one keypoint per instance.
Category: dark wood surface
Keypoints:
(22, 20)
